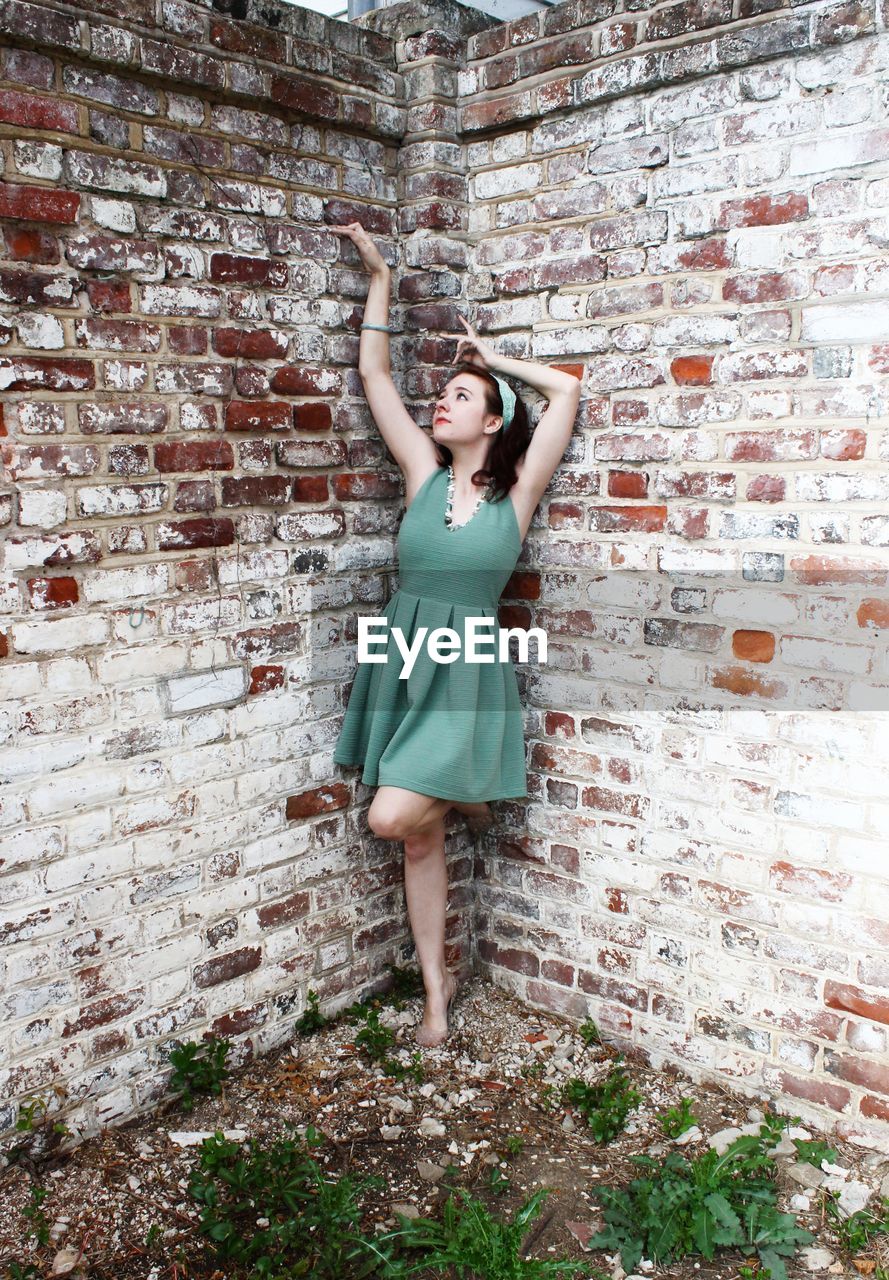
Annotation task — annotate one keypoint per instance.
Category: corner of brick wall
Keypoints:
(684, 207)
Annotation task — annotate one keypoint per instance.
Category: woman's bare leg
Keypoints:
(426, 890)
(399, 814)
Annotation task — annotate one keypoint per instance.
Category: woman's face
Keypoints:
(460, 412)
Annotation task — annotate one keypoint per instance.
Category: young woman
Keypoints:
(451, 734)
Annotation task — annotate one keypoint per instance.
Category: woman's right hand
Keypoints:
(370, 254)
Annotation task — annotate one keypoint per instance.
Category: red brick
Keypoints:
(509, 958)
(873, 613)
(238, 268)
(104, 1011)
(250, 344)
(850, 999)
(763, 211)
(766, 489)
(820, 571)
(273, 415)
(843, 445)
(622, 802)
(224, 968)
(753, 646)
(259, 491)
(27, 244)
(310, 489)
(295, 380)
(193, 455)
(38, 204)
(201, 532)
(284, 912)
(47, 373)
(263, 679)
(360, 485)
(747, 683)
(627, 519)
(858, 1071)
(565, 515)
(809, 882)
(627, 484)
(52, 593)
(312, 417)
(320, 800)
(692, 371)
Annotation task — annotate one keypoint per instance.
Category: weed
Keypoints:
(45, 1134)
(153, 1234)
(813, 1151)
(194, 1074)
(589, 1033)
(406, 984)
(604, 1106)
(675, 1121)
(35, 1215)
(475, 1244)
(532, 1070)
(374, 1038)
(514, 1145)
(275, 1211)
(311, 1019)
(498, 1181)
(856, 1231)
(697, 1206)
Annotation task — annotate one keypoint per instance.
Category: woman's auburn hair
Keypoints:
(506, 446)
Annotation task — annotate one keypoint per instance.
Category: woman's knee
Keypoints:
(428, 840)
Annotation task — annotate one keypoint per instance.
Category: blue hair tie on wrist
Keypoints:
(507, 395)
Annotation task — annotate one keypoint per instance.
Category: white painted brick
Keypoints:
(850, 322)
(59, 634)
(44, 508)
(68, 792)
(99, 864)
(206, 689)
(115, 585)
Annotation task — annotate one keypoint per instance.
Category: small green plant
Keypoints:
(35, 1215)
(406, 984)
(274, 1211)
(374, 1038)
(44, 1134)
(198, 1068)
(471, 1243)
(675, 1121)
(514, 1145)
(604, 1106)
(498, 1181)
(23, 1271)
(714, 1201)
(589, 1033)
(856, 1232)
(814, 1150)
(414, 1069)
(532, 1070)
(311, 1019)
(152, 1235)
(748, 1272)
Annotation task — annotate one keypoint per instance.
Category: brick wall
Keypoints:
(688, 206)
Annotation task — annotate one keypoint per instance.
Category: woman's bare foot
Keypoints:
(433, 1030)
(479, 817)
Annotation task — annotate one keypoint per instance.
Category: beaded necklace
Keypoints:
(448, 517)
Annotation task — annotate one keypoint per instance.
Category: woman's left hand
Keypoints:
(474, 350)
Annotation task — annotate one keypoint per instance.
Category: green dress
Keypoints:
(454, 729)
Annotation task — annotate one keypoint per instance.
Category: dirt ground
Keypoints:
(497, 1078)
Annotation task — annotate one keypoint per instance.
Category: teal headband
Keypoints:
(507, 395)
